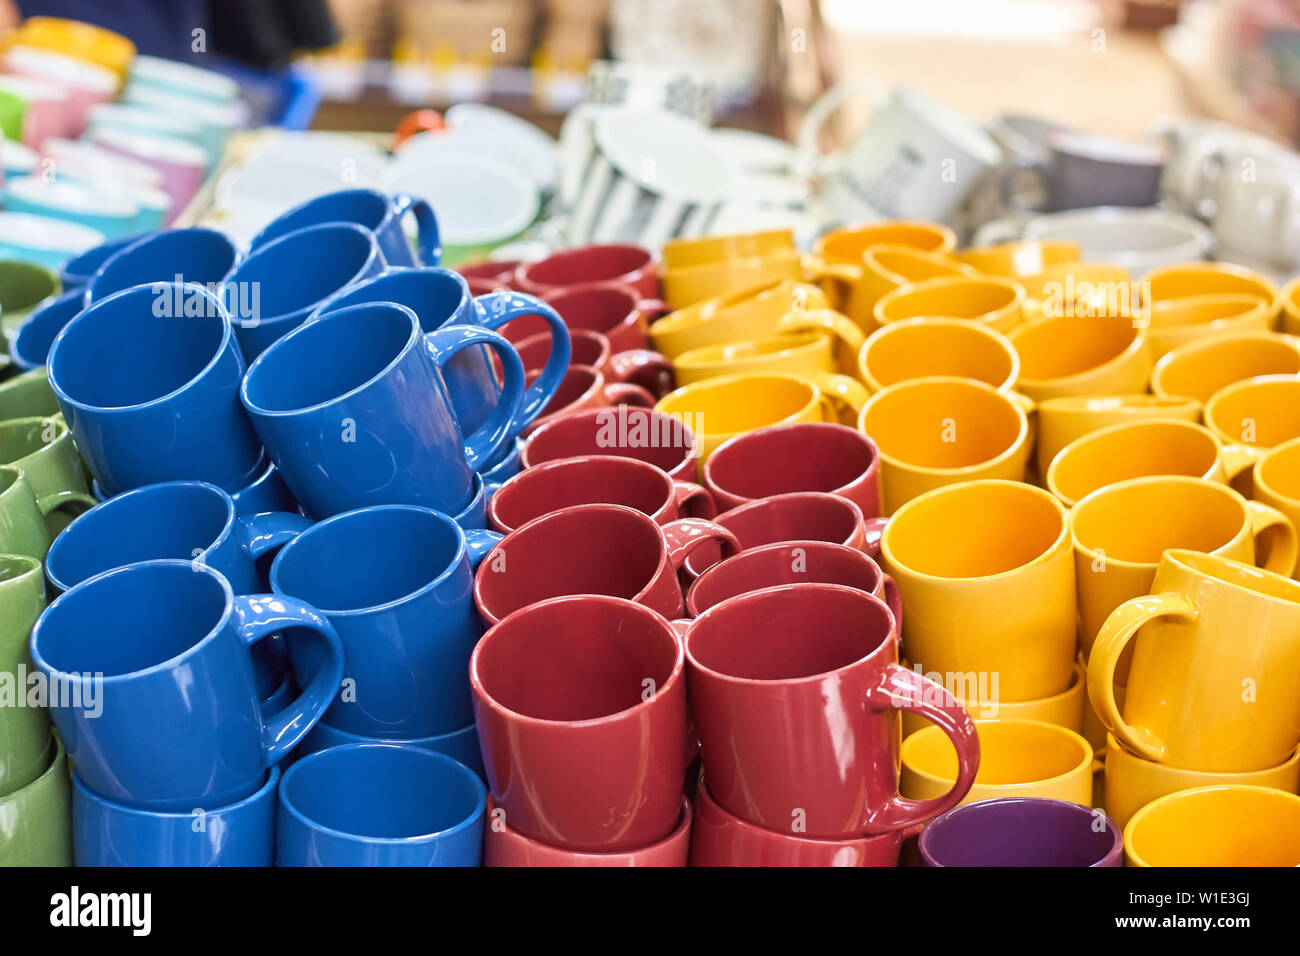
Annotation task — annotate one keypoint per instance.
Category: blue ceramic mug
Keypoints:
(154, 397)
(379, 212)
(197, 255)
(353, 411)
(31, 345)
(267, 492)
(152, 688)
(459, 744)
(441, 297)
(105, 833)
(397, 582)
(380, 804)
(81, 268)
(273, 291)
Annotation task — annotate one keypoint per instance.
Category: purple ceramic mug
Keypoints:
(1022, 831)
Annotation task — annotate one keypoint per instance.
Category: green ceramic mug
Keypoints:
(25, 520)
(24, 730)
(27, 395)
(23, 286)
(36, 821)
(43, 449)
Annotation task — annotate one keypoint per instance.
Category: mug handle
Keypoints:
(650, 370)
(875, 528)
(625, 393)
(806, 154)
(1284, 547)
(840, 392)
(893, 600)
(496, 309)
(261, 615)
(902, 689)
(1238, 459)
(505, 421)
(694, 500)
(687, 534)
(839, 326)
(428, 239)
(269, 530)
(478, 542)
(1123, 623)
(47, 504)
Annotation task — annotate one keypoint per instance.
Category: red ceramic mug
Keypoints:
(793, 562)
(585, 387)
(605, 307)
(650, 370)
(799, 516)
(595, 479)
(613, 262)
(794, 691)
(593, 549)
(722, 839)
(580, 704)
(504, 846)
(808, 456)
(499, 273)
(625, 431)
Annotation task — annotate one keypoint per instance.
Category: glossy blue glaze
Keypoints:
(460, 744)
(505, 467)
(397, 583)
(272, 292)
(198, 255)
(81, 268)
(267, 492)
(474, 514)
(379, 212)
(439, 298)
(173, 721)
(153, 398)
(31, 345)
(353, 411)
(380, 805)
(239, 834)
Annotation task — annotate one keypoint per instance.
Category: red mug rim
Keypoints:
(850, 554)
(549, 468)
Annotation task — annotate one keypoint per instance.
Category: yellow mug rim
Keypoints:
(1073, 736)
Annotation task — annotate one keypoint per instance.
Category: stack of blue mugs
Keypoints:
(256, 649)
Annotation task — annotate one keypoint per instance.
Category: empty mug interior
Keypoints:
(584, 550)
(578, 383)
(957, 298)
(1011, 752)
(196, 255)
(1132, 451)
(21, 437)
(379, 792)
(588, 264)
(1175, 513)
(576, 659)
(806, 516)
(605, 479)
(1202, 369)
(324, 259)
(653, 437)
(1070, 345)
(586, 348)
(23, 284)
(1261, 411)
(789, 633)
(434, 295)
(799, 562)
(131, 619)
(120, 352)
(943, 424)
(344, 350)
(600, 308)
(1218, 826)
(936, 347)
(173, 520)
(1019, 832)
(1280, 472)
(974, 530)
(367, 558)
(774, 461)
(742, 404)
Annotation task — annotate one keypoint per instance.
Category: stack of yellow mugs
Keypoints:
(1093, 488)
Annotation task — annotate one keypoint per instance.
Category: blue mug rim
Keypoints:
(227, 333)
(360, 514)
(421, 742)
(73, 677)
(480, 807)
(226, 530)
(312, 328)
(262, 793)
(327, 307)
(143, 238)
(258, 242)
(25, 362)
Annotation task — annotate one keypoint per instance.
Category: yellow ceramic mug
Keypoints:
(687, 284)
(1024, 257)
(983, 702)
(882, 270)
(807, 343)
(1258, 413)
(719, 408)
(1191, 279)
(989, 299)
(839, 253)
(742, 316)
(985, 572)
(1062, 421)
(1082, 289)
(1081, 355)
(1202, 367)
(1176, 322)
(704, 250)
(1154, 446)
(922, 348)
(1132, 783)
(1018, 758)
(1119, 533)
(936, 431)
(1215, 666)
(1216, 826)
(1291, 307)
(1277, 481)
